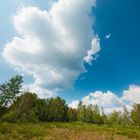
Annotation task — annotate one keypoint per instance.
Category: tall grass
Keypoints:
(65, 131)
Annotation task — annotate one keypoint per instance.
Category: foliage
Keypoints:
(57, 109)
(23, 108)
(135, 115)
(89, 114)
(28, 107)
(71, 115)
(9, 90)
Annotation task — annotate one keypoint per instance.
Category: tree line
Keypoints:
(27, 106)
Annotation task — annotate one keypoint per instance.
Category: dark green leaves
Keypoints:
(9, 90)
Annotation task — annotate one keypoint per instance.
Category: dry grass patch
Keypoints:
(68, 134)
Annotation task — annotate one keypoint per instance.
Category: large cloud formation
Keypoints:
(110, 101)
(53, 45)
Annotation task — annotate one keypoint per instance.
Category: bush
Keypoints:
(9, 116)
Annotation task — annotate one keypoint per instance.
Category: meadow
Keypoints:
(27, 117)
(66, 131)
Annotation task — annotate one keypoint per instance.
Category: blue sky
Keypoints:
(118, 63)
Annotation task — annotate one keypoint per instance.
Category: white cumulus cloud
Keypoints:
(105, 100)
(109, 101)
(51, 45)
(74, 104)
(132, 94)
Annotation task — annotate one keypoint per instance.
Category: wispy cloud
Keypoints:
(108, 36)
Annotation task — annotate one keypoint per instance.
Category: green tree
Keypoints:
(89, 114)
(115, 118)
(104, 116)
(97, 118)
(43, 109)
(23, 109)
(57, 109)
(71, 114)
(81, 112)
(9, 90)
(125, 117)
(135, 115)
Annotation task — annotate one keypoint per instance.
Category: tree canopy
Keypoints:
(29, 107)
(9, 90)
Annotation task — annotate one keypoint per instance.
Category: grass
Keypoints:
(66, 131)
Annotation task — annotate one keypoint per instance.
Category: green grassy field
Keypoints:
(65, 131)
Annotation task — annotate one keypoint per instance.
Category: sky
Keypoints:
(80, 50)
